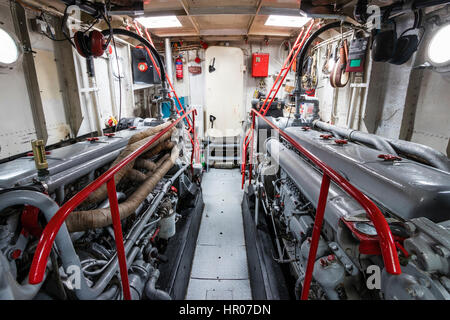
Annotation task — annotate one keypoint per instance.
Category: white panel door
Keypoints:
(224, 90)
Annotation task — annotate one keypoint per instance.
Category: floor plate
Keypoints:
(220, 269)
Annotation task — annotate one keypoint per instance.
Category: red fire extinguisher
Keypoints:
(179, 68)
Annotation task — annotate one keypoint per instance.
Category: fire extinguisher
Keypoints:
(179, 68)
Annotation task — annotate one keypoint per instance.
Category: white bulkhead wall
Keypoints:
(17, 128)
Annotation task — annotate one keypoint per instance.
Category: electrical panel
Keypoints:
(143, 70)
(260, 65)
(357, 55)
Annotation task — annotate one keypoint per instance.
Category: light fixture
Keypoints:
(160, 22)
(286, 21)
(10, 52)
(438, 50)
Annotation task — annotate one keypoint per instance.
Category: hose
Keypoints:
(83, 220)
(150, 288)
(376, 141)
(102, 192)
(152, 49)
(422, 153)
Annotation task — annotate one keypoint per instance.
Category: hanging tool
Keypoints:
(339, 77)
(211, 66)
(212, 119)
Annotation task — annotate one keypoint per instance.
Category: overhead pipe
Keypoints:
(168, 57)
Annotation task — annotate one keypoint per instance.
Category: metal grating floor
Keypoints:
(220, 270)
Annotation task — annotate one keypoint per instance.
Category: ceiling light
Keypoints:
(10, 52)
(286, 21)
(160, 22)
(438, 51)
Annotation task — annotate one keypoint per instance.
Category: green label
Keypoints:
(355, 63)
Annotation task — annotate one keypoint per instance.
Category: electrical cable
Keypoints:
(42, 15)
(111, 37)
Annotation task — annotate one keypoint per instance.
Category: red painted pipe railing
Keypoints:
(194, 141)
(386, 240)
(48, 236)
(288, 62)
(285, 69)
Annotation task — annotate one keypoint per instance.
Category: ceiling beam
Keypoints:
(186, 9)
(216, 10)
(164, 12)
(223, 32)
(252, 19)
(209, 11)
(265, 11)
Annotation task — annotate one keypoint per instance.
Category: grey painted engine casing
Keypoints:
(22, 171)
(406, 188)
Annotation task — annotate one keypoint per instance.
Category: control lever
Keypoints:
(212, 119)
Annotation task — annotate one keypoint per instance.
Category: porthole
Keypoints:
(438, 51)
(10, 51)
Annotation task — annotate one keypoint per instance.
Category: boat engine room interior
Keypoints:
(225, 150)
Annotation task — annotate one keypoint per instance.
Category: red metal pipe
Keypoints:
(167, 77)
(138, 30)
(114, 207)
(193, 145)
(316, 235)
(48, 235)
(265, 107)
(287, 70)
(283, 68)
(387, 244)
(251, 150)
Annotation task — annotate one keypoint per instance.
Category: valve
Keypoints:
(110, 135)
(326, 136)
(389, 157)
(340, 141)
(92, 139)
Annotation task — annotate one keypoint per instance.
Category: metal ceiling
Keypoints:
(214, 20)
(223, 19)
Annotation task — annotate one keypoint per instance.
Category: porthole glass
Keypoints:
(439, 47)
(9, 51)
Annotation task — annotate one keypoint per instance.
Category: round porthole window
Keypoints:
(9, 49)
(438, 51)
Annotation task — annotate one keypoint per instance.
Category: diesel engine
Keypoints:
(408, 182)
(154, 191)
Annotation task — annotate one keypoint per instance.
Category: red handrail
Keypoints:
(47, 238)
(386, 240)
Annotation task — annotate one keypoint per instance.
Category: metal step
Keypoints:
(223, 147)
(229, 145)
(225, 159)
